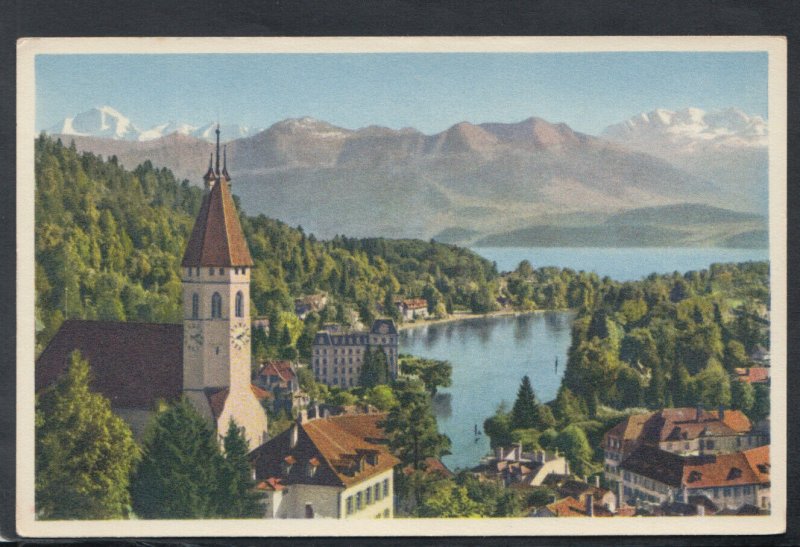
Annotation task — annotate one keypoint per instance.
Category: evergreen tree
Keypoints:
(524, 413)
(411, 427)
(374, 369)
(239, 498)
(180, 473)
(572, 441)
(743, 397)
(84, 452)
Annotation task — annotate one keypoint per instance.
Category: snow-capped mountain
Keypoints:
(102, 121)
(107, 122)
(690, 129)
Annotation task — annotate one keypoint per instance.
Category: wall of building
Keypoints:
(247, 412)
(339, 364)
(380, 508)
(137, 419)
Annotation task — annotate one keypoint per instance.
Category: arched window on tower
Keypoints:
(216, 305)
(239, 304)
(195, 306)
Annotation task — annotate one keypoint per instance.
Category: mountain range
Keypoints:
(472, 182)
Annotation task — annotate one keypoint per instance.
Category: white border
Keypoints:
(28, 48)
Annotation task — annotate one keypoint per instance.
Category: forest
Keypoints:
(109, 242)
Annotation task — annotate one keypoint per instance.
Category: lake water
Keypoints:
(624, 264)
(489, 356)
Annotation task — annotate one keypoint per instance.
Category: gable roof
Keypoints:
(217, 238)
(340, 456)
(132, 364)
(676, 424)
(280, 368)
(660, 465)
(383, 326)
(364, 426)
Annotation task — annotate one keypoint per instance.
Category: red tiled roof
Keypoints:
(365, 426)
(132, 364)
(217, 238)
(734, 469)
(415, 303)
(570, 507)
(342, 457)
(673, 424)
(282, 369)
(271, 483)
(753, 375)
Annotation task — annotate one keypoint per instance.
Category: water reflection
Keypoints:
(489, 357)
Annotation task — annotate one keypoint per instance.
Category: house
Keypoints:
(571, 507)
(326, 468)
(512, 466)
(653, 477)
(681, 431)
(206, 358)
(760, 355)
(261, 322)
(310, 303)
(413, 308)
(579, 490)
(278, 377)
(752, 375)
(338, 353)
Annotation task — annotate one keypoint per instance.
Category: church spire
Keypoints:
(209, 176)
(217, 132)
(225, 163)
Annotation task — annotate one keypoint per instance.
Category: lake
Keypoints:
(490, 355)
(623, 264)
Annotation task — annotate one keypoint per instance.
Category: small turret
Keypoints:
(209, 177)
(225, 163)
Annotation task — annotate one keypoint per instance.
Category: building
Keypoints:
(512, 466)
(206, 358)
(338, 354)
(654, 477)
(413, 308)
(685, 431)
(571, 507)
(278, 377)
(327, 468)
(310, 303)
(752, 375)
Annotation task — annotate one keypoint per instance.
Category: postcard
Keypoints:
(401, 286)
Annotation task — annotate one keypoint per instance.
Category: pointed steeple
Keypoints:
(217, 169)
(225, 163)
(209, 177)
(217, 238)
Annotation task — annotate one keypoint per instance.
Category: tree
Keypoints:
(743, 397)
(239, 498)
(498, 427)
(374, 369)
(572, 441)
(762, 403)
(433, 373)
(179, 475)
(567, 407)
(84, 452)
(382, 397)
(411, 427)
(713, 386)
(524, 413)
(449, 500)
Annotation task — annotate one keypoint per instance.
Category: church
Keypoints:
(206, 358)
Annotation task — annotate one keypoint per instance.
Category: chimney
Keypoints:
(326, 413)
(701, 510)
(501, 452)
(518, 448)
(597, 481)
(302, 417)
(620, 495)
(589, 505)
(721, 413)
(699, 412)
(316, 411)
(294, 434)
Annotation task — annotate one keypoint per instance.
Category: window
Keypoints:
(236, 271)
(377, 491)
(216, 305)
(349, 505)
(386, 513)
(197, 272)
(309, 511)
(211, 271)
(368, 495)
(358, 501)
(385, 487)
(710, 445)
(195, 306)
(189, 272)
(727, 492)
(221, 271)
(239, 304)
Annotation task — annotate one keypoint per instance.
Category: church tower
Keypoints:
(216, 312)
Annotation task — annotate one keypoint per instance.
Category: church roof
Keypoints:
(217, 238)
(132, 364)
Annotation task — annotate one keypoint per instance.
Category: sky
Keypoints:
(427, 91)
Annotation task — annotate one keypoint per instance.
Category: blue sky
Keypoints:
(428, 91)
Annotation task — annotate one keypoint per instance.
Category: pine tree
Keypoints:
(84, 452)
(179, 475)
(239, 498)
(524, 413)
(374, 369)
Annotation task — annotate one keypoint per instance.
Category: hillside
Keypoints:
(109, 243)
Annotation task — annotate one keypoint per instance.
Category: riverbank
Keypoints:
(461, 316)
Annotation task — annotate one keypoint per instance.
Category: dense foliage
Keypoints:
(84, 452)
(184, 474)
(109, 244)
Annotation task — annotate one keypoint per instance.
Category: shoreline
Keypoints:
(465, 315)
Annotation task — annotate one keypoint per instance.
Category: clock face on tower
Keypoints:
(240, 334)
(193, 337)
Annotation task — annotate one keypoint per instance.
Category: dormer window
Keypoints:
(311, 467)
(734, 473)
(288, 462)
(211, 271)
(695, 476)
